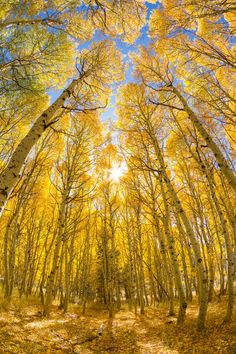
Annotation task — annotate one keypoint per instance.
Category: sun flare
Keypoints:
(117, 171)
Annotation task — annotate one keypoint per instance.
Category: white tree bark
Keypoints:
(203, 283)
(222, 162)
(33, 21)
(11, 174)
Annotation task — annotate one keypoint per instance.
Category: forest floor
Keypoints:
(23, 330)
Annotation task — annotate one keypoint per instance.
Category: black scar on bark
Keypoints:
(3, 192)
(44, 125)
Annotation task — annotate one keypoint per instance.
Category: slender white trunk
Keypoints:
(56, 256)
(222, 162)
(174, 260)
(31, 22)
(203, 283)
(10, 175)
(228, 245)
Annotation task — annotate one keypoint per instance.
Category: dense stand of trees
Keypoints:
(165, 231)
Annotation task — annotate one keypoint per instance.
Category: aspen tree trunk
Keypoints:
(6, 264)
(140, 260)
(230, 265)
(88, 267)
(136, 276)
(171, 294)
(10, 175)
(67, 280)
(222, 162)
(203, 285)
(12, 258)
(33, 21)
(56, 256)
(43, 273)
(202, 231)
(73, 261)
(168, 270)
(131, 284)
(164, 238)
(220, 264)
(208, 241)
(84, 273)
(211, 277)
(85, 270)
(77, 279)
(229, 203)
(174, 260)
(228, 244)
(204, 167)
(9, 251)
(157, 262)
(112, 268)
(117, 292)
(59, 285)
(154, 298)
(185, 241)
(229, 249)
(105, 269)
(28, 272)
(105, 258)
(186, 276)
(35, 262)
(26, 266)
(68, 250)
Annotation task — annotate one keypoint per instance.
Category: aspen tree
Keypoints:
(142, 118)
(102, 16)
(93, 63)
(204, 167)
(72, 184)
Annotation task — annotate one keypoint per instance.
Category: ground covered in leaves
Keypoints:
(23, 330)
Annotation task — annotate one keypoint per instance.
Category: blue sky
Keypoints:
(125, 49)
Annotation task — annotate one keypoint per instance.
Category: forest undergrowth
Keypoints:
(23, 330)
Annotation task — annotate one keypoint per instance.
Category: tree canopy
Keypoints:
(137, 209)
